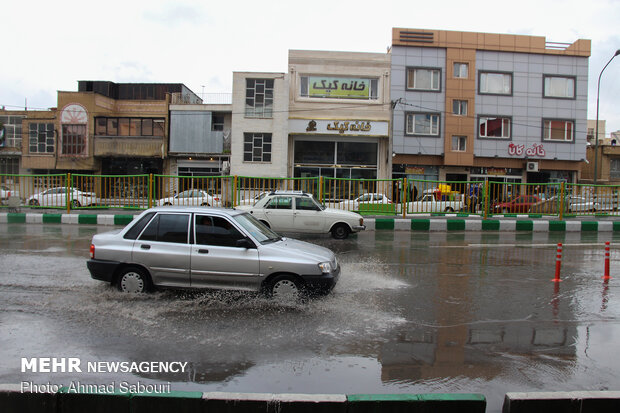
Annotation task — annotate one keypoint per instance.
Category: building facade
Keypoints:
(259, 142)
(477, 106)
(339, 115)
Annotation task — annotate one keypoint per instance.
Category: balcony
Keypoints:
(213, 142)
(128, 146)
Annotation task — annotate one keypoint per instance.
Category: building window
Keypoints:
(562, 87)
(558, 130)
(338, 87)
(105, 126)
(423, 79)
(461, 70)
(614, 168)
(257, 147)
(41, 137)
(494, 127)
(423, 124)
(459, 143)
(9, 166)
(217, 123)
(495, 83)
(12, 131)
(259, 98)
(73, 139)
(459, 107)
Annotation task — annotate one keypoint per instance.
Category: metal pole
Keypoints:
(598, 90)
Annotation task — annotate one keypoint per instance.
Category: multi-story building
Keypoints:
(339, 114)
(103, 128)
(200, 138)
(473, 106)
(259, 141)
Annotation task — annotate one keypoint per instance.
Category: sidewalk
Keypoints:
(422, 223)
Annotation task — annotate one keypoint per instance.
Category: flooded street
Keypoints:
(412, 312)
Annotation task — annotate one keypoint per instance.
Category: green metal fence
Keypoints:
(367, 196)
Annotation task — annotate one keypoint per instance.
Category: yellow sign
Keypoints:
(338, 87)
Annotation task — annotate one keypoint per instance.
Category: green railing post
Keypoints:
(150, 191)
(406, 191)
(68, 186)
(561, 206)
(486, 200)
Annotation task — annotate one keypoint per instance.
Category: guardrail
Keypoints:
(367, 196)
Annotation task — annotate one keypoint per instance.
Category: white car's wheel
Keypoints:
(340, 231)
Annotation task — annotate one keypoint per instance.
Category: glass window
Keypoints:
(73, 139)
(559, 87)
(158, 127)
(257, 147)
(495, 83)
(459, 107)
(423, 79)
(280, 202)
(303, 203)
(217, 123)
(101, 126)
(259, 98)
(459, 143)
(216, 231)
(123, 127)
(41, 137)
(558, 130)
(112, 126)
(147, 127)
(356, 153)
(315, 152)
(423, 124)
(138, 226)
(167, 228)
(614, 168)
(494, 127)
(461, 70)
(135, 127)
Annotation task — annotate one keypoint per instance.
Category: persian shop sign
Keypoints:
(353, 127)
(338, 87)
(536, 150)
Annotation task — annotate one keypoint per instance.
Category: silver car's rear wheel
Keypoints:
(285, 288)
(133, 280)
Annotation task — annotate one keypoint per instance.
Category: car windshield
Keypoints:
(258, 230)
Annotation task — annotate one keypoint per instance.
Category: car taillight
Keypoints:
(361, 221)
(92, 251)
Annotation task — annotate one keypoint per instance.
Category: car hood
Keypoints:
(341, 212)
(295, 249)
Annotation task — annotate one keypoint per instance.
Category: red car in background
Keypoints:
(521, 203)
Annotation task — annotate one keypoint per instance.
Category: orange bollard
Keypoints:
(606, 276)
(558, 263)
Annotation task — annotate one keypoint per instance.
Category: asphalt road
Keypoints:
(413, 312)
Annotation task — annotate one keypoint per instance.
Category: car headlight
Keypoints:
(325, 267)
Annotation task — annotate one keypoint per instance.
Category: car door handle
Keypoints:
(145, 247)
(201, 251)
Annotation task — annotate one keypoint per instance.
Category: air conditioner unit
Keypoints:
(532, 166)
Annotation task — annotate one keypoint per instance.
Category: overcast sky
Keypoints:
(49, 46)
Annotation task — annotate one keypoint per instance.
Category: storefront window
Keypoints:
(357, 153)
(314, 152)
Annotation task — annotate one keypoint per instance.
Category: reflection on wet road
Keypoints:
(413, 312)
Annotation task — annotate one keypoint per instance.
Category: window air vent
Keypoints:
(417, 37)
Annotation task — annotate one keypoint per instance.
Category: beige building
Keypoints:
(339, 115)
(259, 143)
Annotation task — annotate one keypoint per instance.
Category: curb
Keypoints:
(372, 224)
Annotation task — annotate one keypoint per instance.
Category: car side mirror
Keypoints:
(244, 243)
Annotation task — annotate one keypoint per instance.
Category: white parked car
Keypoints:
(6, 192)
(191, 197)
(296, 211)
(57, 197)
(252, 199)
(368, 201)
(581, 204)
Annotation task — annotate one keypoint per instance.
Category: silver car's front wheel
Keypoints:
(285, 288)
(132, 280)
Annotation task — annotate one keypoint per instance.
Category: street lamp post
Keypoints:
(598, 90)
